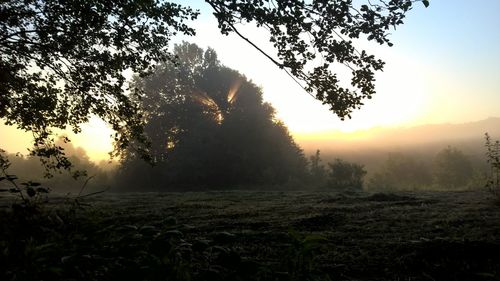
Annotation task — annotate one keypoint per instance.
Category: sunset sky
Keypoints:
(444, 67)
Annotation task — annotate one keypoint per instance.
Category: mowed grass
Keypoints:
(253, 235)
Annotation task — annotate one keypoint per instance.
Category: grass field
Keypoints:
(251, 235)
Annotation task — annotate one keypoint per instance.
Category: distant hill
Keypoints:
(371, 146)
(442, 132)
(404, 137)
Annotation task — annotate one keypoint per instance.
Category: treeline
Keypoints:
(209, 128)
(449, 169)
(30, 168)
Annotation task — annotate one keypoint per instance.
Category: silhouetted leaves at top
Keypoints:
(64, 61)
(312, 36)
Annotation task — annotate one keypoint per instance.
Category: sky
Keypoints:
(444, 67)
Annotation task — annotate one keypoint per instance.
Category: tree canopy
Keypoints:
(209, 126)
(63, 61)
(312, 36)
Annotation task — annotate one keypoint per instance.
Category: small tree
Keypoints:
(317, 170)
(343, 174)
(452, 168)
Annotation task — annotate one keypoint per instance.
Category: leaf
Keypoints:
(224, 237)
(294, 235)
(201, 245)
(11, 177)
(173, 233)
(426, 3)
(220, 249)
(130, 227)
(42, 190)
(30, 191)
(31, 183)
(66, 259)
(56, 270)
(148, 230)
(314, 238)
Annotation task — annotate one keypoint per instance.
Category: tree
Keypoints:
(317, 170)
(63, 61)
(209, 126)
(451, 168)
(343, 174)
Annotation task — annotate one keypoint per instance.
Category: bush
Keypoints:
(343, 174)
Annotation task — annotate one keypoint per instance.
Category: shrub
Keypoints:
(343, 174)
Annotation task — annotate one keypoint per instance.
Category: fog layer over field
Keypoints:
(394, 159)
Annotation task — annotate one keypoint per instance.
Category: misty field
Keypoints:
(252, 235)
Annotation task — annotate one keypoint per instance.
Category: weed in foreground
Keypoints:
(493, 159)
(31, 194)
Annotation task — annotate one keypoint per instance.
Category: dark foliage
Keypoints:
(248, 236)
(29, 193)
(304, 32)
(345, 175)
(493, 159)
(28, 168)
(64, 61)
(210, 127)
(317, 170)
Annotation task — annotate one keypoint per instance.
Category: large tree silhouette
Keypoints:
(65, 60)
(209, 126)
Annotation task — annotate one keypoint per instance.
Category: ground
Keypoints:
(253, 235)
